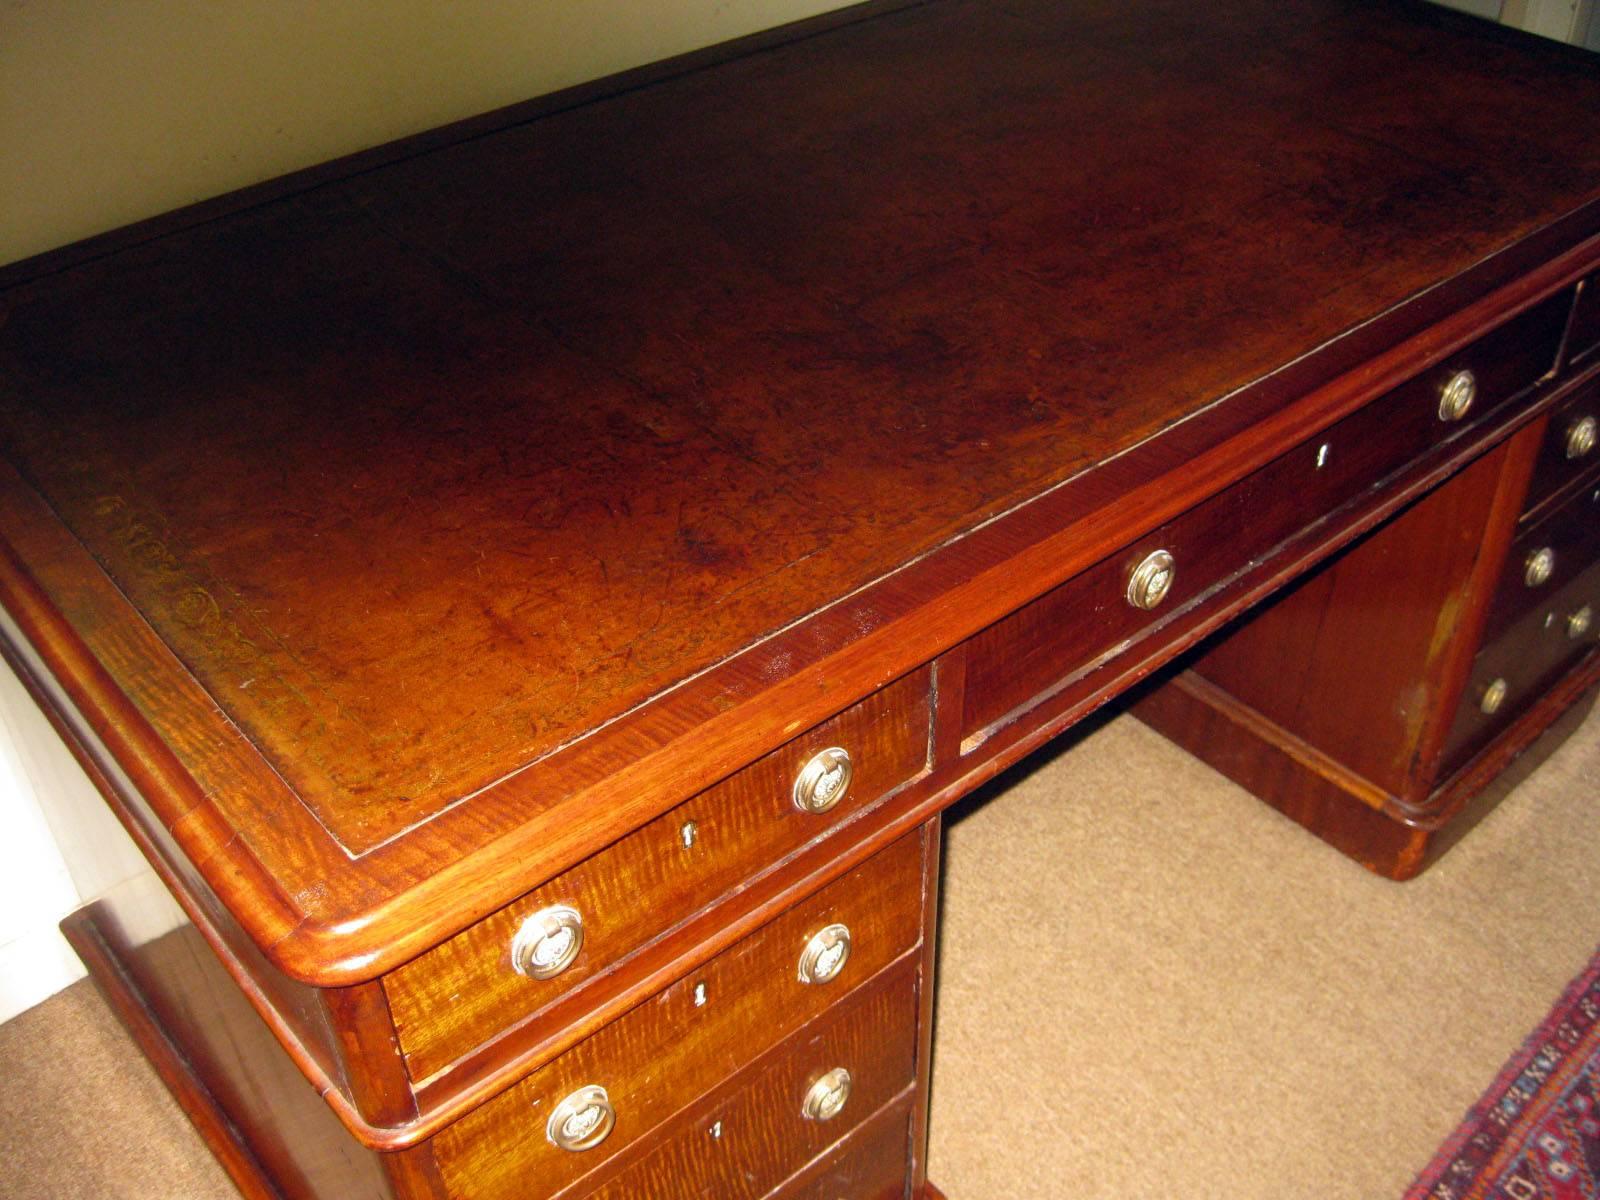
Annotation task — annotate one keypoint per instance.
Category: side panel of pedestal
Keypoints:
(273, 1134)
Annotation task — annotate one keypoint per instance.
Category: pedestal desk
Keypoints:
(531, 590)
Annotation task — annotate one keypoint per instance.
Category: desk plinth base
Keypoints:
(1262, 759)
(93, 934)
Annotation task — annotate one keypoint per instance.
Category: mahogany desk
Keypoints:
(531, 590)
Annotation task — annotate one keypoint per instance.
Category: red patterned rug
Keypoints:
(1535, 1134)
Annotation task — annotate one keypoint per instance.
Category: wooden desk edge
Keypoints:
(1016, 558)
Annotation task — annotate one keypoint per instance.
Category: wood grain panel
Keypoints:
(466, 992)
(869, 1164)
(349, 1057)
(1273, 764)
(670, 1050)
(1360, 689)
(1070, 628)
(746, 1145)
(1294, 778)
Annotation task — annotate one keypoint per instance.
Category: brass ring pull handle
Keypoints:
(1540, 566)
(826, 1098)
(1580, 622)
(1151, 580)
(825, 954)
(547, 942)
(1458, 394)
(824, 780)
(582, 1120)
(1582, 435)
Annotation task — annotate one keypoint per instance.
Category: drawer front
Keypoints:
(1545, 558)
(1571, 446)
(466, 991)
(871, 1164)
(1584, 339)
(662, 1056)
(746, 1146)
(1017, 660)
(1511, 672)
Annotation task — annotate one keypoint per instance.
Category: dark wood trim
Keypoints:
(374, 1074)
(927, 976)
(1562, 361)
(67, 676)
(1520, 751)
(949, 699)
(155, 843)
(116, 984)
(413, 1174)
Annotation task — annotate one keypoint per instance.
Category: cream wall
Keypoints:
(114, 110)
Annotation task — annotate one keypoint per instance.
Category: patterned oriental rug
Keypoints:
(1535, 1134)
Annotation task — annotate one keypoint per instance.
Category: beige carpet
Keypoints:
(1154, 986)
(1151, 986)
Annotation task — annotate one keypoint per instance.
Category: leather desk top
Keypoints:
(410, 536)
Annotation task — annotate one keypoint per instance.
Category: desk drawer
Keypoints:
(1522, 662)
(466, 990)
(1022, 657)
(745, 1146)
(1571, 446)
(870, 1164)
(1545, 558)
(664, 1055)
